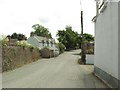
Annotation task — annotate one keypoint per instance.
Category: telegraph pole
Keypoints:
(83, 54)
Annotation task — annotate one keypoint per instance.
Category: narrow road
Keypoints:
(60, 72)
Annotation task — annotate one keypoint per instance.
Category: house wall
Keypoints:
(33, 41)
(46, 45)
(106, 44)
(41, 44)
(119, 42)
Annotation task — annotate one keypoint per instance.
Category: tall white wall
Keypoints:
(106, 40)
(119, 40)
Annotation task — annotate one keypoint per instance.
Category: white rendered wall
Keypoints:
(33, 41)
(89, 59)
(106, 40)
(119, 40)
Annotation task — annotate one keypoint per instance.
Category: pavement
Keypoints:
(59, 72)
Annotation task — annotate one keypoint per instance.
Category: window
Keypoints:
(43, 42)
(51, 44)
(47, 43)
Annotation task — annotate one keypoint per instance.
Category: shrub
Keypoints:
(61, 47)
(89, 51)
(46, 52)
(4, 42)
(24, 44)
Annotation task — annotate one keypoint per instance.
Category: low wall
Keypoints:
(89, 59)
(14, 57)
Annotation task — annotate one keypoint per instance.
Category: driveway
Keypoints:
(60, 72)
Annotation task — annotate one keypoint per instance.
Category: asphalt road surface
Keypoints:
(60, 72)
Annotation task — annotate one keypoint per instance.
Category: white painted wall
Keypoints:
(119, 40)
(106, 40)
(33, 41)
(89, 59)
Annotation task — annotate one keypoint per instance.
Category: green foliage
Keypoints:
(88, 37)
(17, 36)
(25, 44)
(40, 31)
(72, 39)
(0, 42)
(4, 42)
(14, 36)
(69, 38)
(61, 47)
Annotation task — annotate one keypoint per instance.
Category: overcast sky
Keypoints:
(19, 15)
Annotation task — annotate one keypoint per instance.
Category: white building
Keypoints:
(42, 42)
(107, 43)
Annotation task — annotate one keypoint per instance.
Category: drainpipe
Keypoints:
(97, 7)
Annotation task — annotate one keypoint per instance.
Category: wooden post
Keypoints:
(83, 55)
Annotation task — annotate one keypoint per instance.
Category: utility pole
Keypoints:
(83, 54)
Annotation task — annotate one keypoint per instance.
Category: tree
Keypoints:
(40, 31)
(14, 36)
(21, 37)
(61, 47)
(88, 37)
(72, 39)
(18, 36)
(69, 38)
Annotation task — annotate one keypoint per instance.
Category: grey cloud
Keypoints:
(44, 20)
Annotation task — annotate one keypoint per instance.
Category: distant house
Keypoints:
(42, 42)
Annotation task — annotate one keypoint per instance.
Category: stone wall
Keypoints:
(14, 57)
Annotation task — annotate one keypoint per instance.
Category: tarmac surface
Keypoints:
(59, 72)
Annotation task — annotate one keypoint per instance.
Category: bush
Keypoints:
(89, 51)
(25, 44)
(4, 42)
(46, 52)
(61, 47)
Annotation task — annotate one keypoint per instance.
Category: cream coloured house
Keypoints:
(42, 42)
